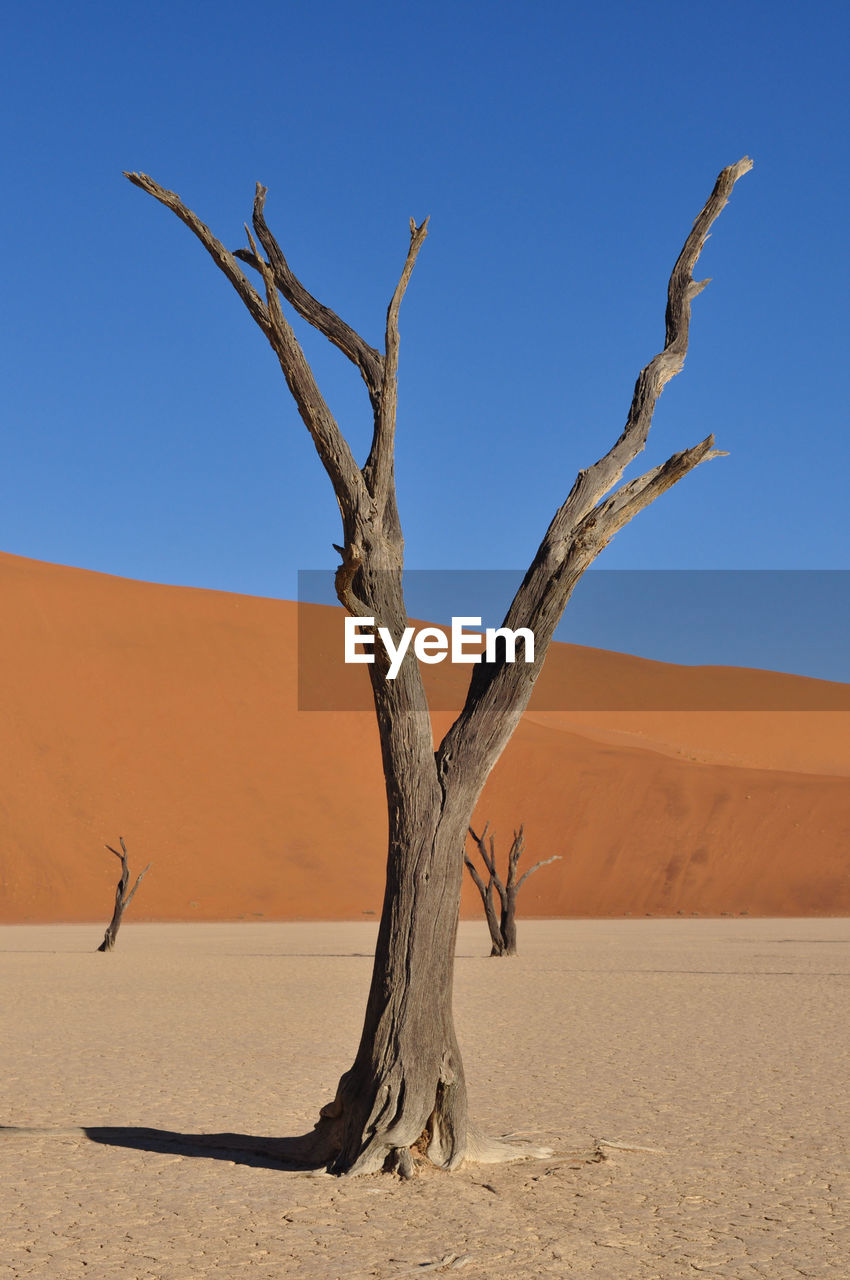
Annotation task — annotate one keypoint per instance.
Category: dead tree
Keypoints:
(502, 926)
(406, 1085)
(122, 897)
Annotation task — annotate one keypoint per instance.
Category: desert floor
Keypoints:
(719, 1044)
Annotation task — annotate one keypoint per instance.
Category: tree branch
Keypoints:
(481, 841)
(499, 692)
(514, 855)
(132, 892)
(531, 870)
(617, 510)
(331, 445)
(596, 481)
(221, 257)
(369, 361)
(473, 871)
(486, 891)
(379, 466)
(490, 861)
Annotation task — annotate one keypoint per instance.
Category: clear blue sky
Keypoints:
(562, 151)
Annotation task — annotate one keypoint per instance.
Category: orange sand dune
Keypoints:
(169, 716)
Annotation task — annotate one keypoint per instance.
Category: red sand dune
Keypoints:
(169, 715)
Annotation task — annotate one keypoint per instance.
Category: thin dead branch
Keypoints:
(122, 897)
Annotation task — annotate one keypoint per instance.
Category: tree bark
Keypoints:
(494, 923)
(122, 897)
(407, 1080)
(406, 1087)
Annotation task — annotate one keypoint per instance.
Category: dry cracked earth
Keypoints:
(707, 1061)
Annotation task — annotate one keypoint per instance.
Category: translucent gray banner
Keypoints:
(679, 640)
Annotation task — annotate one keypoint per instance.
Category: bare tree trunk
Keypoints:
(407, 1081)
(406, 1087)
(508, 928)
(122, 898)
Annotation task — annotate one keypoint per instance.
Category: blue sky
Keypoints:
(562, 151)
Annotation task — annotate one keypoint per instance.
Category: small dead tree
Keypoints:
(502, 926)
(406, 1087)
(122, 897)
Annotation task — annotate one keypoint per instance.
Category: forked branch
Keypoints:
(596, 481)
(367, 497)
(588, 518)
(624, 504)
(368, 360)
(330, 443)
(502, 928)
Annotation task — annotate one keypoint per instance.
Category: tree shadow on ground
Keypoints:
(239, 1148)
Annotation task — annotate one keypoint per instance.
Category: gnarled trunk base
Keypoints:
(379, 1149)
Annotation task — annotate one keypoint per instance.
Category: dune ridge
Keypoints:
(169, 715)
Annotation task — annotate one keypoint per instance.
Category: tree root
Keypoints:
(481, 1149)
(400, 1161)
(629, 1146)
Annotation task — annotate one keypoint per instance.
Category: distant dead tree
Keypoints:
(406, 1089)
(502, 926)
(122, 897)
